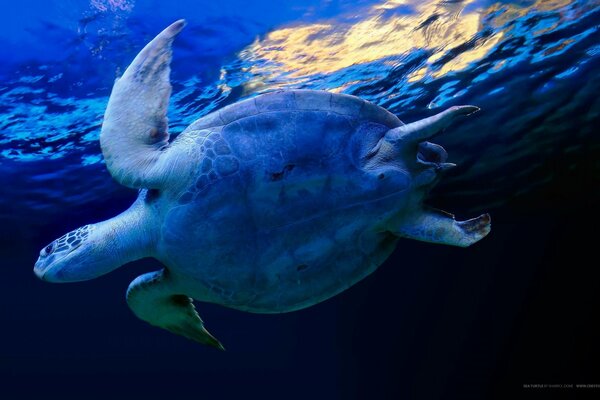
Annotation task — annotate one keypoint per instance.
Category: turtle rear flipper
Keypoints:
(153, 298)
(135, 137)
(440, 227)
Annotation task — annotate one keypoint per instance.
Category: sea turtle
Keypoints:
(269, 205)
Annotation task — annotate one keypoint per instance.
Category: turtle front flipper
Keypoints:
(440, 227)
(154, 298)
(135, 137)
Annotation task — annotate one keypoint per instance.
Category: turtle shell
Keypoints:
(321, 132)
(299, 100)
(279, 198)
(288, 139)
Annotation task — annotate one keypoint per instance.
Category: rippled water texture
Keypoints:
(531, 65)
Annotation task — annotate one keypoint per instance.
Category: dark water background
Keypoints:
(433, 322)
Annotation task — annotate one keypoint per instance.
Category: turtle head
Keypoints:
(64, 255)
(406, 147)
(96, 249)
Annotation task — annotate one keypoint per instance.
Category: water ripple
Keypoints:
(532, 66)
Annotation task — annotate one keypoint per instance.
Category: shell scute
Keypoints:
(221, 147)
(226, 165)
(206, 165)
(201, 182)
(242, 109)
(244, 146)
(371, 112)
(277, 101)
(300, 100)
(312, 100)
(346, 104)
(209, 120)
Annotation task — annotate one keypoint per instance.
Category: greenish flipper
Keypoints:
(440, 227)
(153, 298)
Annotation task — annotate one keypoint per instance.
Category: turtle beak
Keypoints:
(39, 270)
(44, 269)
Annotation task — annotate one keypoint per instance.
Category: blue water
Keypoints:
(442, 322)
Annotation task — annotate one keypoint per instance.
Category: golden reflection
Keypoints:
(510, 12)
(327, 47)
(417, 75)
(332, 45)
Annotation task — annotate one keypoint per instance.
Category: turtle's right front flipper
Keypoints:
(135, 137)
(437, 226)
(154, 298)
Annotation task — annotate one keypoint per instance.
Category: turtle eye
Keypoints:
(48, 249)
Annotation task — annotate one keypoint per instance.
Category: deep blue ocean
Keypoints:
(434, 322)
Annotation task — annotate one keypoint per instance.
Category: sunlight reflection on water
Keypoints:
(410, 41)
(522, 61)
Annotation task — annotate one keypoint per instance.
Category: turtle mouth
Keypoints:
(45, 264)
(433, 155)
(45, 273)
(39, 270)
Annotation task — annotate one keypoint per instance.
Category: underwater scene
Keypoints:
(511, 316)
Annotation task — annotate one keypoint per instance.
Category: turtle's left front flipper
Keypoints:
(154, 298)
(437, 226)
(135, 136)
